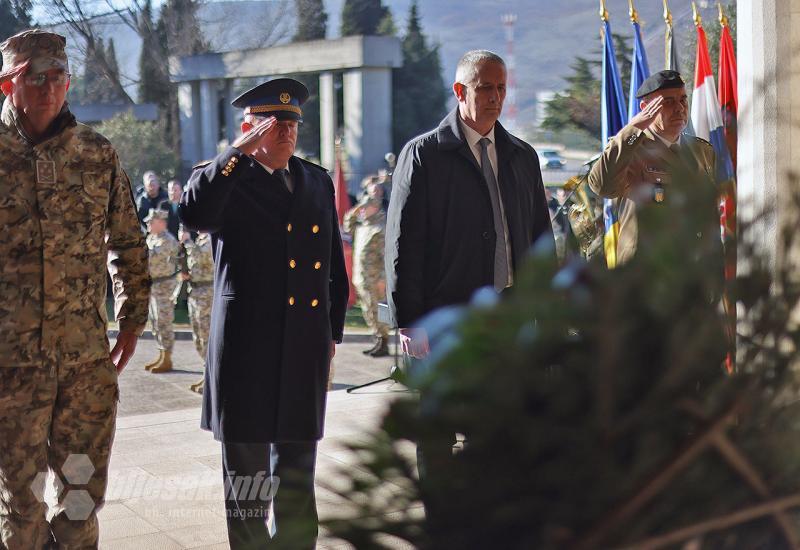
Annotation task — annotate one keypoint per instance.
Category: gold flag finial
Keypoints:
(667, 15)
(632, 12)
(698, 21)
(723, 19)
(603, 10)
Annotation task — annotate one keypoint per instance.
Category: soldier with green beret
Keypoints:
(638, 164)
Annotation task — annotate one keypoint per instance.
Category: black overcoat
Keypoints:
(280, 294)
(440, 234)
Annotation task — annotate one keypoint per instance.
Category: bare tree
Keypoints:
(80, 18)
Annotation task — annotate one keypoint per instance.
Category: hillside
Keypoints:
(549, 34)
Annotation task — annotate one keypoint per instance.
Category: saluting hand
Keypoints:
(646, 116)
(14, 71)
(250, 142)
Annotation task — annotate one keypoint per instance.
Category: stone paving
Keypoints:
(165, 483)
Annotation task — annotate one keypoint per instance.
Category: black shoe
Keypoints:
(374, 347)
(381, 348)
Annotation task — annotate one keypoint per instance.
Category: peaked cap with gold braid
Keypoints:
(280, 98)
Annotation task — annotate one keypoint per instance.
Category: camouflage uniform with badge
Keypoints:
(163, 251)
(66, 213)
(637, 165)
(200, 261)
(367, 222)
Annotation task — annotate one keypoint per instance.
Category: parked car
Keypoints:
(551, 160)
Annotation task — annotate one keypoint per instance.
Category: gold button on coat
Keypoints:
(291, 300)
(314, 302)
(315, 229)
(317, 265)
(289, 228)
(292, 264)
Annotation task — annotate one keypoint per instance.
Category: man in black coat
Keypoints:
(467, 203)
(280, 293)
(171, 204)
(152, 195)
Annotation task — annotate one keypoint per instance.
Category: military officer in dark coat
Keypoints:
(280, 293)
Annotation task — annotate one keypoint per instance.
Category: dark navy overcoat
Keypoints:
(280, 294)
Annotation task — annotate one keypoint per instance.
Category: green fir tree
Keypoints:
(362, 17)
(578, 106)
(419, 95)
(596, 409)
(312, 20)
(154, 85)
(15, 16)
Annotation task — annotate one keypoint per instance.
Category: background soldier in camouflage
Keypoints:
(163, 250)
(367, 222)
(65, 211)
(200, 262)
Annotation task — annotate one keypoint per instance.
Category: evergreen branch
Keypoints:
(733, 519)
(661, 479)
(739, 462)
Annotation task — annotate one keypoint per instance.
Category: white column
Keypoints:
(189, 107)
(327, 120)
(368, 120)
(209, 119)
(769, 108)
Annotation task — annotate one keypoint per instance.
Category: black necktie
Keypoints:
(280, 173)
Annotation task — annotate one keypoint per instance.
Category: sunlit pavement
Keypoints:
(165, 483)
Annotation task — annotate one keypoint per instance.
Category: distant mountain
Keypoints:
(548, 34)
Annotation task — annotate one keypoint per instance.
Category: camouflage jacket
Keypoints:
(163, 250)
(368, 229)
(199, 259)
(636, 168)
(57, 232)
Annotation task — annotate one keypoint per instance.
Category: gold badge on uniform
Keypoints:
(285, 98)
(659, 194)
(45, 171)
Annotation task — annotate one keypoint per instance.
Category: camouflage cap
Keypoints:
(45, 50)
(156, 213)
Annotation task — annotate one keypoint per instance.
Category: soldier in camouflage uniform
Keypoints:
(367, 222)
(66, 211)
(200, 263)
(163, 250)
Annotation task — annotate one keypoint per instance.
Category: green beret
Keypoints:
(662, 80)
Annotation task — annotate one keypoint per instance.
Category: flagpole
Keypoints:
(667, 35)
(698, 21)
(632, 12)
(723, 19)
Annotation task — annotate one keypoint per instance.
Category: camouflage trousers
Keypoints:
(162, 313)
(58, 417)
(199, 300)
(371, 289)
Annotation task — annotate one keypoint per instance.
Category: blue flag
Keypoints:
(639, 70)
(614, 118)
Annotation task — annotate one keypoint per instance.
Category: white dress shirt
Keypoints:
(289, 181)
(473, 139)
